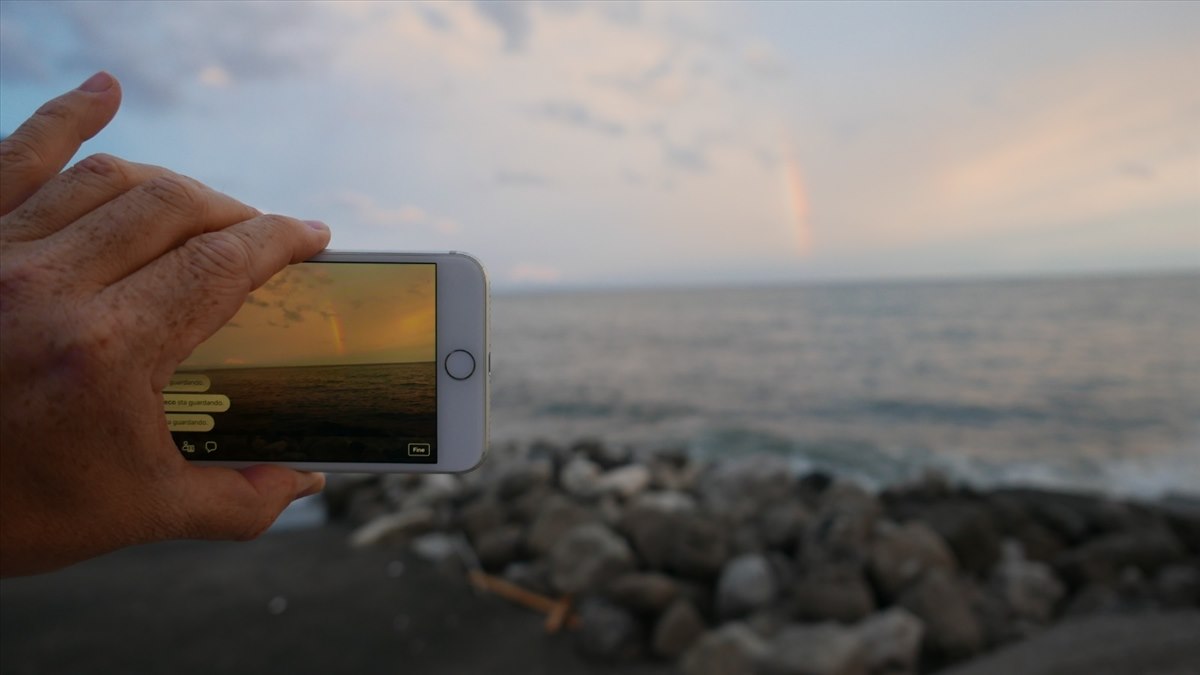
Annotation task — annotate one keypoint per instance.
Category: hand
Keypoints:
(111, 272)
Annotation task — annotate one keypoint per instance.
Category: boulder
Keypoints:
(625, 482)
(669, 534)
(1030, 589)
(558, 515)
(732, 649)
(521, 476)
(739, 488)
(892, 641)
(496, 548)
(832, 592)
(782, 525)
(603, 455)
(648, 592)
(967, 525)
(580, 477)
(1103, 559)
(900, 554)
(588, 557)
(822, 649)
(532, 575)
(608, 632)
(1178, 585)
(482, 515)
(942, 602)
(677, 629)
(746, 584)
(842, 528)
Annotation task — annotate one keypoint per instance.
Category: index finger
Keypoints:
(189, 292)
(45, 142)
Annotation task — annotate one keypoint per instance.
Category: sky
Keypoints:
(324, 313)
(619, 143)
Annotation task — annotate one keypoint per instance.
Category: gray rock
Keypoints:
(603, 455)
(732, 649)
(1178, 585)
(431, 490)
(968, 526)
(669, 534)
(435, 546)
(677, 629)
(941, 601)
(822, 649)
(608, 632)
(534, 575)
(842, 528)
(580, 477)
(625, 482)
(740, 488)
(782, 525)
(900, 554)
(746, 584)
(521, 476)
(1102, 560)
(558, 515)
(394, 527)
(496, 548)
(587, 557)
(648, 592)
(1030, 589)
(892, 640)
(834, 592)
(482, 515)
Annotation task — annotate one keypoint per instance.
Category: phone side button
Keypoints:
(460, 364)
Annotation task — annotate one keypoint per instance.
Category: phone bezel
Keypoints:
(463, 306)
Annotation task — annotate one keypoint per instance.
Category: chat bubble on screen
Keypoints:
(177, 422)
(188, 382)
(195, 402)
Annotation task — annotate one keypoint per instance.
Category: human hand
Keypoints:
(111, 272)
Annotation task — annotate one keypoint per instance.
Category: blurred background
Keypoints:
(871, 239)
(870, 236)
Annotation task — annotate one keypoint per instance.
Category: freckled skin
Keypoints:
(111, 272)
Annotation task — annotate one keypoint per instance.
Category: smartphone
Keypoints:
(359, 362)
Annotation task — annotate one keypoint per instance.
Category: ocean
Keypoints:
(1085, 384)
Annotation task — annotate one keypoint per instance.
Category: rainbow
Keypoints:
(339, 333)
(798, 201)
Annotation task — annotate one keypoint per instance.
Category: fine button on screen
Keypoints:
(460, 364)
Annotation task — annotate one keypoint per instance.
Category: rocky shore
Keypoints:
(743, 566)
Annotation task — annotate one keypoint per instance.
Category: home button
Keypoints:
(460, 364)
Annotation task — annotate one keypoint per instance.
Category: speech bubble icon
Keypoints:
(195, 402)
(176, 422)
(193, 382)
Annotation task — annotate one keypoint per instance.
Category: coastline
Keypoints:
(671, 566)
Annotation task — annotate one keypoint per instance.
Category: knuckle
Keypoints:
(19, 154)
(56, 111)
(177, 193)
(105, 168)
(223, 254)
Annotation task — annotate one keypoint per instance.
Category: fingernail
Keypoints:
(317, 225)
(315, 484)
(97, 83)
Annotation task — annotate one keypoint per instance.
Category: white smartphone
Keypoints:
(362, 362)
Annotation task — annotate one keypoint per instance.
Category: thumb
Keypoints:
(43, 145)
(227, 504)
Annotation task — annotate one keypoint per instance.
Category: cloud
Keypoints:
(579, 115)
(188, 43)
(21, 59)
(363, 209)
(511, 17)
(521, 179)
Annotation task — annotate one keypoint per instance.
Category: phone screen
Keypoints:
(326, 362)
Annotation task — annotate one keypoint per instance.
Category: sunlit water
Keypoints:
(1082, 383)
